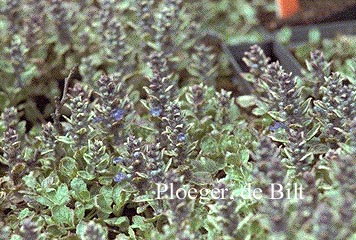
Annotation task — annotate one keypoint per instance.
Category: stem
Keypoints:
(60, 103)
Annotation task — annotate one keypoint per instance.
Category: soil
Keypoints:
(313, 11)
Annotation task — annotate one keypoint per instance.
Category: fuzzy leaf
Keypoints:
(122, 222)
(63, 215)
(247, 101)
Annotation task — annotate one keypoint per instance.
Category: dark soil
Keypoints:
(313, 11)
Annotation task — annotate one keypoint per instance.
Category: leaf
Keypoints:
(120, 197)
(86, 175)
(24, 213)
(63, 215)
(30, 73)
(66, 140)
(208, 144)
(80, 190)
(67, 168)
(79, 211)
(276, 116)
(306, 106)
(103, 203)
(280, 136)
(80, 229)
(347, 148)
(105, 180)
(140, 223)
(313, 131)
(247, 101)
(201, 178)
(30, 180)
(122, 222)
(4, 100)
(259, 111)
(206, 165)
(62, 196)
(244, 155)
(16, 237)
(319, 149)
(44, 201)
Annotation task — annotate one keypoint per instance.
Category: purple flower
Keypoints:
(118, 160)
(120, 177)
(276, 126)
(156, 111)
(97, 119)
(118, 114)
(181, 137)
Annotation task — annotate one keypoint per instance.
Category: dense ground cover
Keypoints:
(104, 101)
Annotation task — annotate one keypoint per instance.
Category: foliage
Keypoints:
(133, 106)
(339, 50)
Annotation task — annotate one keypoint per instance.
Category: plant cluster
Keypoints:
(312, 122)
(139, 109)
(340, 50)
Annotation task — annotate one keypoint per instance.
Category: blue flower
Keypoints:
(120, 177)
(156, 111)
(97, 119)
(181, 137)
(118, 160)
(276, 126)
(118, 114)
(136, 155)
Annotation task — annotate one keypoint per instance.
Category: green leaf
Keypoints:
(62, 196)
(313, 131)
(16, 237)
(284, 35)
(86, 175)
(4, 100)
(244, 155)
(67, 168)
(319, 149)
(56, 231)
(63, 215)
(314, 36)
(80, 190)
(30, 180)
(120, 197)
(259, 111)
(204, 164)
(66, 140)
(122, 222)
(306, 105)
(347, 148)
(79, 211)
(24, 213)
(247, 101)
(105, 180)
(209, 144)
(30, 73)
(44, 201)
(280, 136)
(103, 203)
(201, 178)
(140, 223)
(81, 229)
(276, 116)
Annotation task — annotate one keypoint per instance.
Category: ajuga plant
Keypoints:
(341, 54)
(312, 147)
(235, 21)
(279, 96)
(107, 160)
(43, 40)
